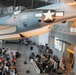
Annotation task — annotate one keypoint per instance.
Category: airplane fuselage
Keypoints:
(27, 20)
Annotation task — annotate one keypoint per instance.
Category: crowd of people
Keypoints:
(45, 60)
(8, 61)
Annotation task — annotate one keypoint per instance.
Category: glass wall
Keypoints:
(54, 1)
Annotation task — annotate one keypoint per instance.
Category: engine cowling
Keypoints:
(69, 2)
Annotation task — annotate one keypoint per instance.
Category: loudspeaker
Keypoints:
(27, 71)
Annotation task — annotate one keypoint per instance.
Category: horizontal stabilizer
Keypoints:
(7, 29)
(10, 37)
(26, 34)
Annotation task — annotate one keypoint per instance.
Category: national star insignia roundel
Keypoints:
(48, 16)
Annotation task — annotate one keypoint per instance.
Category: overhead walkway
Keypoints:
(70, 37)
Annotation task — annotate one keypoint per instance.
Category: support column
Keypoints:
(74, 66)
(1, 43)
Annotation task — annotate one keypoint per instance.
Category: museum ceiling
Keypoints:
(26, 3)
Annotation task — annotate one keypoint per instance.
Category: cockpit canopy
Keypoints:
(11, 9)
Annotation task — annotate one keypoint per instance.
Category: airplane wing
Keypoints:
(36, 32)
(7, 29)
(70, 2)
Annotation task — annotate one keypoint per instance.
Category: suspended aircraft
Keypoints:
(21, 22)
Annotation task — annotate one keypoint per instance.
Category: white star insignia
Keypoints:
(48, 15)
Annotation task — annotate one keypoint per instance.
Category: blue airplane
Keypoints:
(21, 22)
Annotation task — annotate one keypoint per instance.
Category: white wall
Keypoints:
(35, 39)
(43, 39)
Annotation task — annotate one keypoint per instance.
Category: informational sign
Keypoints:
(58, 44)
(72, 29)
